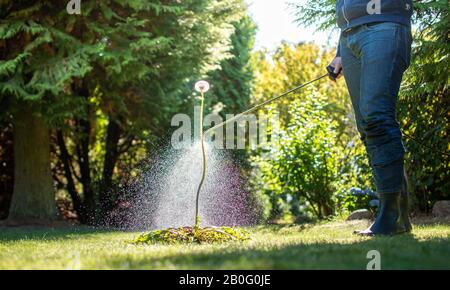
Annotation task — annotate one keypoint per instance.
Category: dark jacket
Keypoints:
(352, 13)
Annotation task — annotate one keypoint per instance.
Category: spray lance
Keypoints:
(202, 87)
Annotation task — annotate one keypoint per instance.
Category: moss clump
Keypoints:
(207, 235)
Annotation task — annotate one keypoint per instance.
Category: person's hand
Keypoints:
(337, 64)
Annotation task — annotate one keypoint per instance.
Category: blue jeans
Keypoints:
(374, 58)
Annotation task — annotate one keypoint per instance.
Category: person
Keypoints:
(374, 51)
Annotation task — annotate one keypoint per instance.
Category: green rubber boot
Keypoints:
(404, 206)
(388, 221)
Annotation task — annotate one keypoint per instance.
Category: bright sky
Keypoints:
(275, 21)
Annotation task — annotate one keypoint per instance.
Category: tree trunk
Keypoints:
(34, 195)
(83, 130)
(66, 159)
(82, 148)
(6, 167)
(111, 156)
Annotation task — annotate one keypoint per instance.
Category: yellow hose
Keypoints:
(197, 216)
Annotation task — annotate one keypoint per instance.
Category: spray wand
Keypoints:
(202, 87)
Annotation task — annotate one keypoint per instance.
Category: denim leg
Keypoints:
(383, 51)
(352, 71)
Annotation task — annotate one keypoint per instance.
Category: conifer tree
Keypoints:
(119, 63)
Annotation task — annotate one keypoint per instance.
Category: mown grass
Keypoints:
(321, 246)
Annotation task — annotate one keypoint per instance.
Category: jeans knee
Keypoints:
(373, 126)
(383, 140)
(384, 127)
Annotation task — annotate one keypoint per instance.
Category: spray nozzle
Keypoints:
(331, 74)
(202, 86)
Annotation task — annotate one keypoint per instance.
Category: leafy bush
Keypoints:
(303, 163)
(320, 124)
(424, 106)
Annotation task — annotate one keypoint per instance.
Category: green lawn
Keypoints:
(321, 246)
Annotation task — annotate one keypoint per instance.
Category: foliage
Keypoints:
(108, 81)
(193, 235)
(303, 161)
(424, 106)
(318, 155)
(312, 13)
(231, 83)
